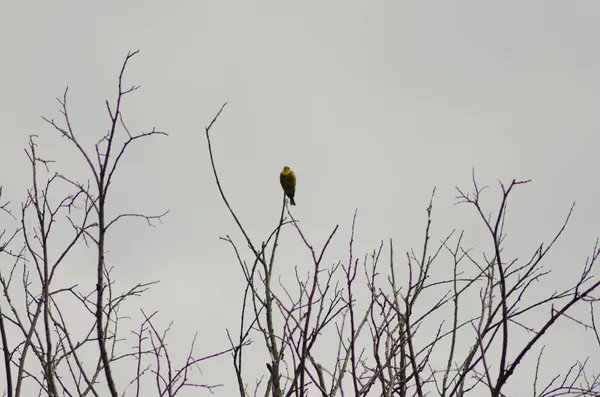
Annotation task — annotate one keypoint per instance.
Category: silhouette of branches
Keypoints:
(410, 328)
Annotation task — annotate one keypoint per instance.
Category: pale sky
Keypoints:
(372, 104)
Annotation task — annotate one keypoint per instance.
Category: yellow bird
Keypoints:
(288, 183)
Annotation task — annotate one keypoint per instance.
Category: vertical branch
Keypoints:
(350, 276)
(42, 210)
(410, 301)
(28, 333)
(503, 298)
(401, 325)
(454, 329)
(102, 180)
(6, 356)
(274, 351)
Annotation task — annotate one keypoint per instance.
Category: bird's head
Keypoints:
(286, 170)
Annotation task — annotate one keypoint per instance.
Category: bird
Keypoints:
(288, 183)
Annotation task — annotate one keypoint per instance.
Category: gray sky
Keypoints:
(371, 103)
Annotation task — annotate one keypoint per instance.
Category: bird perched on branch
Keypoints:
(288, 183)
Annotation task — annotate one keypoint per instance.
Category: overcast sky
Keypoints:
(372, 104)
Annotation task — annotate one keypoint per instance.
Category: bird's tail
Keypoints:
(292, 202)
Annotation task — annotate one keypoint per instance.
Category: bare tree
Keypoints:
(408, 328)
(369, 324)
(48, 349)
